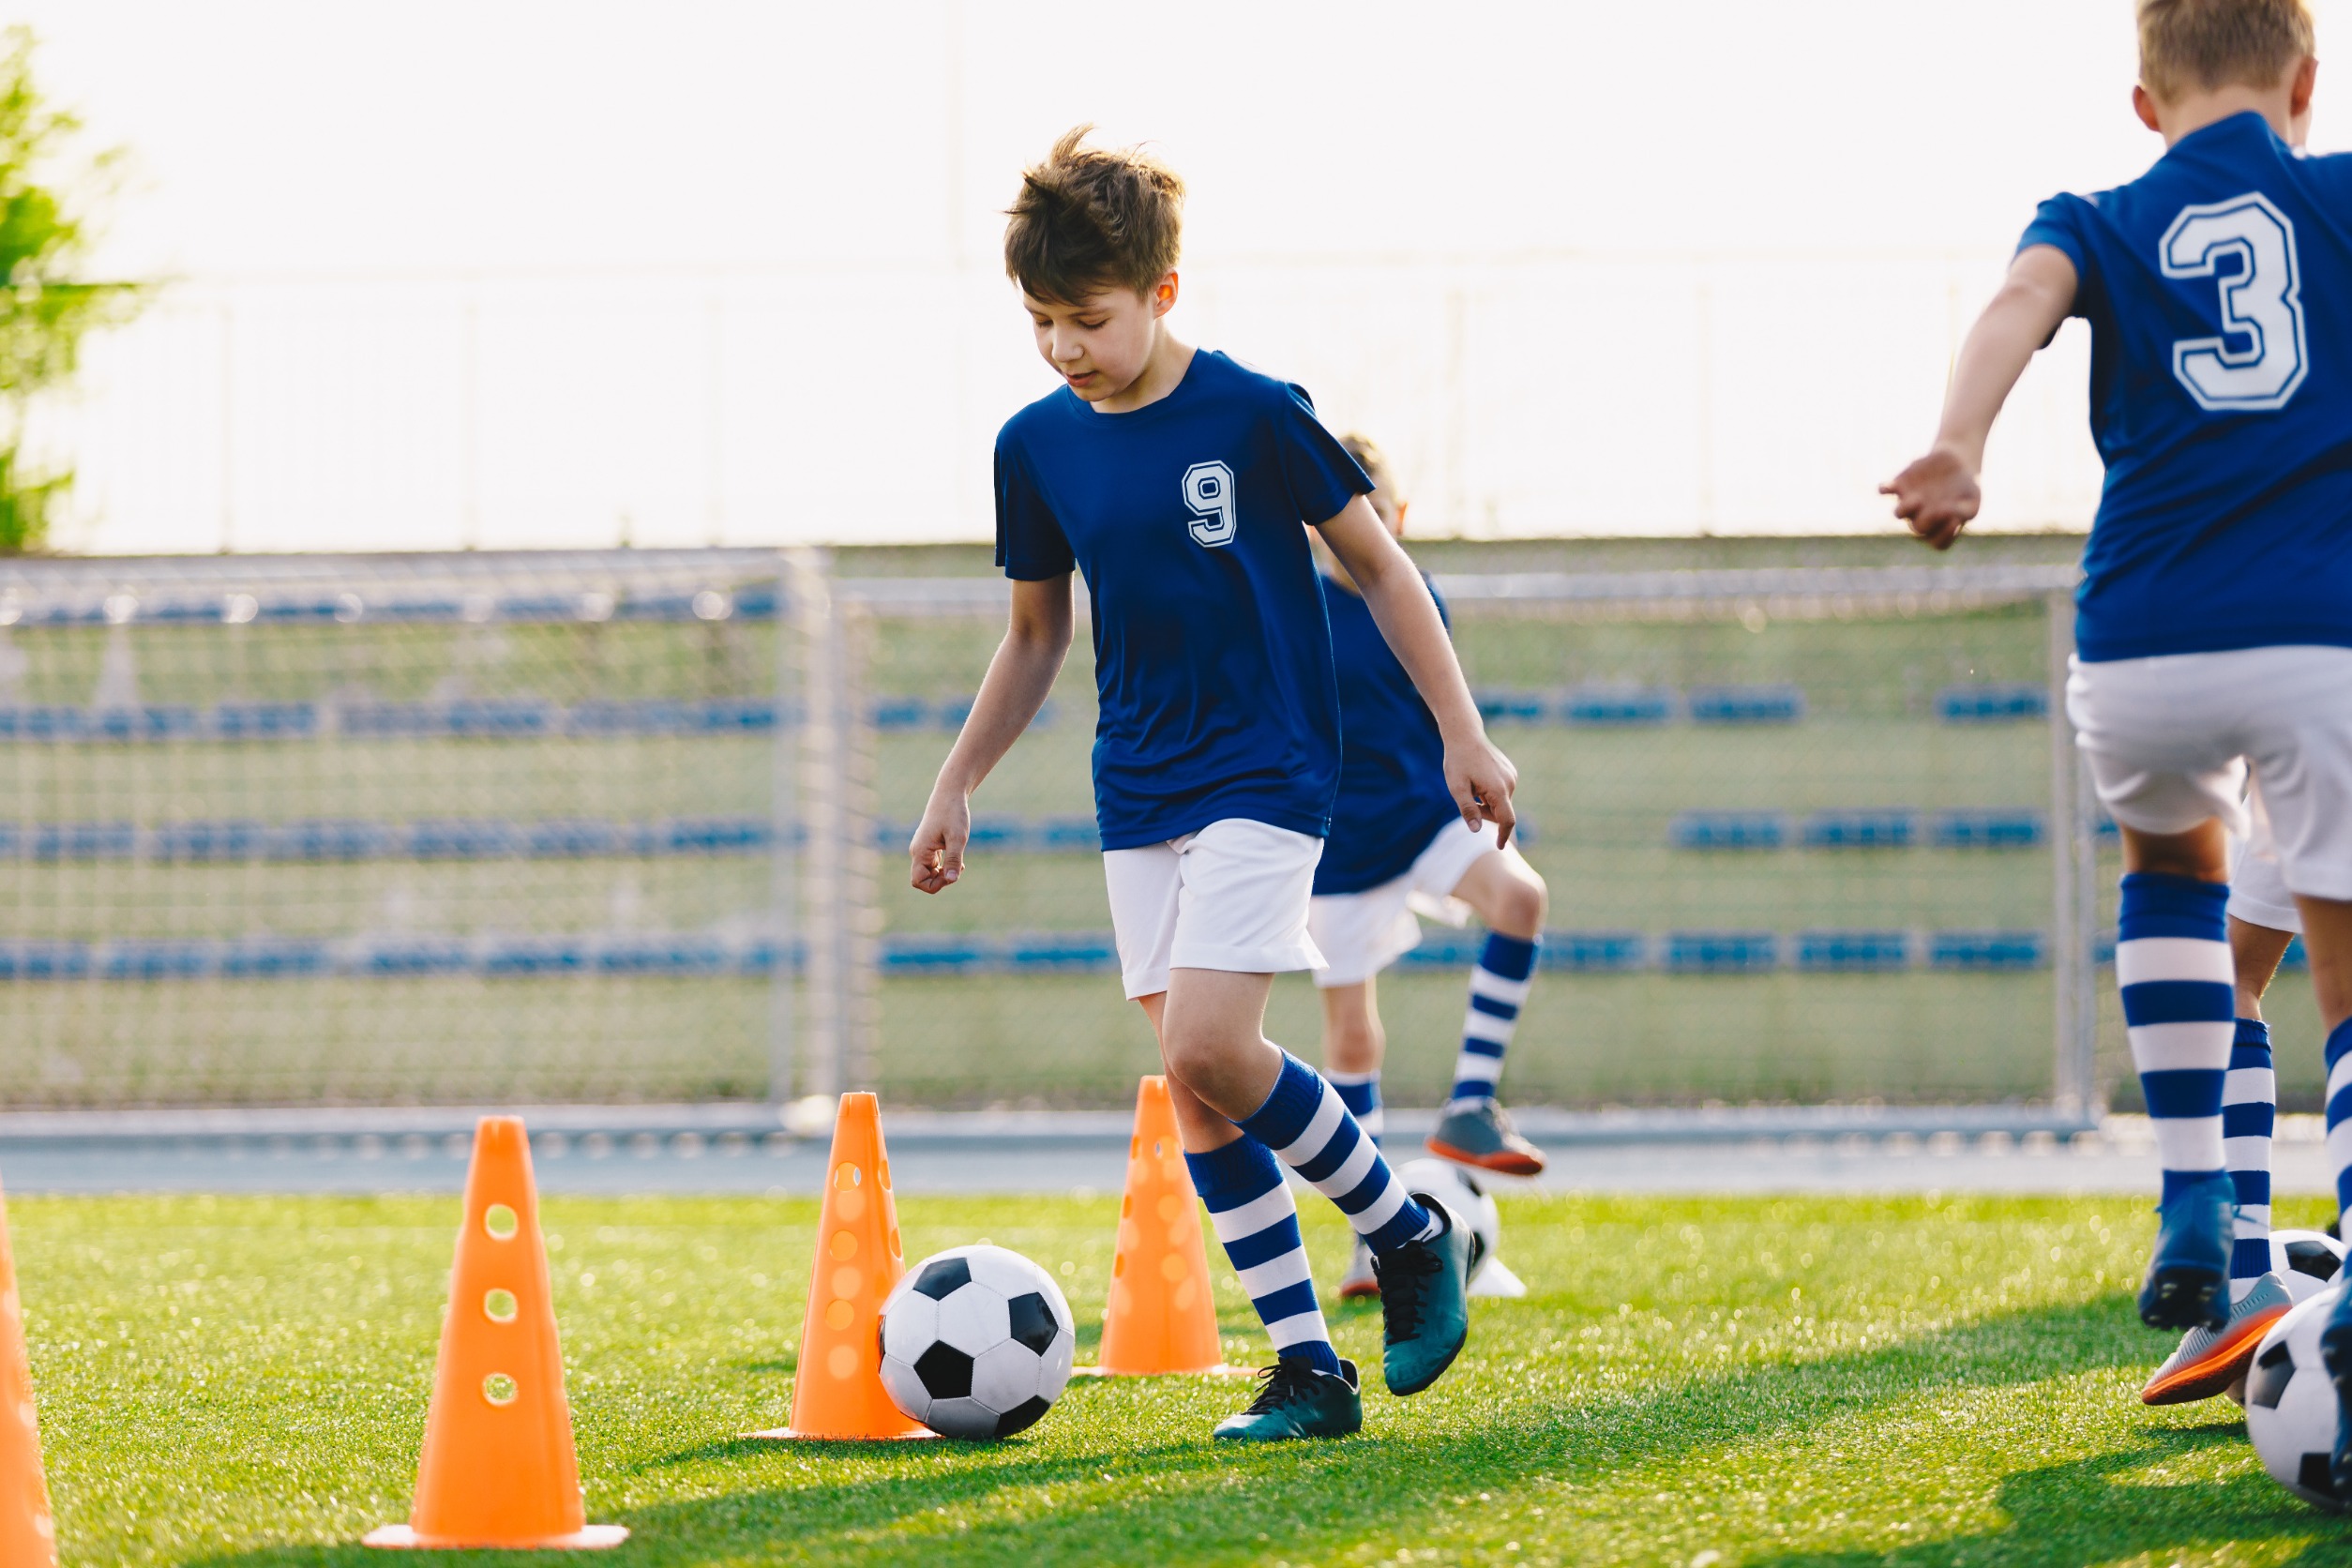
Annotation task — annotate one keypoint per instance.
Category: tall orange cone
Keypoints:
(1161, 1315)
(498, 1467)
(28, 1538)
(838, 1391)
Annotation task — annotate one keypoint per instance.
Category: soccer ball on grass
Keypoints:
(2291, 1404)
(976, 1342)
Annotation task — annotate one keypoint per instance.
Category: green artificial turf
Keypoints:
(241, 1384)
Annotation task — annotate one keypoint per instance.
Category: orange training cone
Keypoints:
(837, 1390)
(1162, 1317)
(29, 1539)
(498, 1467)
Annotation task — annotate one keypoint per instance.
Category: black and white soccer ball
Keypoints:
(1463, 1193)
(2307, 1261)
(976, 1342)
(2291, 1403)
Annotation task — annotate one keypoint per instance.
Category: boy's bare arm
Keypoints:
(1019, 676)
(1938, 494)
(1478, 775)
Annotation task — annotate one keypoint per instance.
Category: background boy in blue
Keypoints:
(1177, 483)
(2215, 622)
(1396, 845)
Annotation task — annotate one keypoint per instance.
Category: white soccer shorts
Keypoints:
(2258, 889)
(1363, 933)
(1231, 897)
(2169, 741)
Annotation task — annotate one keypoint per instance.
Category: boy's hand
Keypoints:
(1481, 781)
(1938, 496)
(938, 848)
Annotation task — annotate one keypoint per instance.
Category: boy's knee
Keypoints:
(1521, 907)
(1190, 1055)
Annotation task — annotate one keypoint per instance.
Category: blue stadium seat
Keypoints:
(1511, 707)
(241, 722)
(912, 953)
(1986, 950)
(2294, 958)
(707, 836)
(1067, 834)
(2013, 828)
(1756, 704)
(373, 720)
(84, 841)
(1594, 952)
(573, 838)
(661, 955)
(43, 960)
(1887, 829)
(524, 956)
(129, 959)
(1618, 707)
(1722, 952)
(414, 956)
(461, 838)
(474, 717)
(329, 839)
(275, 957)
(731, 716)
(204, 843)
(1729, 830)
(996, 833)
(151, 723)
(894, 714)
(1853, 950)
(1444, 947)
(1991, 704)
(645, 715)
(1061, 952)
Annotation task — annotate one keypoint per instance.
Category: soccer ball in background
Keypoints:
(2291, 1403)
(976, 1342)
(1460, 1191)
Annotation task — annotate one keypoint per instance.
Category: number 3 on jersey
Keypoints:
(1209, 497)
(2258, 361)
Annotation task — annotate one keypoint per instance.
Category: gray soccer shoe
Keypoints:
(2209, 1360)
(1360, 1279)
(1480, 1133)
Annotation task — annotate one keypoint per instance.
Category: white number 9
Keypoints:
(2260, 302)
(1209, 496)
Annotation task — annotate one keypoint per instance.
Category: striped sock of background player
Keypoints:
(1307, 1125)
(1361, 1093)
(2250, 1103)
(2180, 1008)
(1257, 1225)
(2340, 1111)
(1498, 990)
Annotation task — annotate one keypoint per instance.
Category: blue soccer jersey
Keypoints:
(1393, 798)
(1213, 659)
(2218, 287)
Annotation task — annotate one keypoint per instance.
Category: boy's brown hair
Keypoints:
(1371, 460)
(1087, 220)
(2187, 44)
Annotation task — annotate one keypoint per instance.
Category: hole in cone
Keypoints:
(499, 1389)
(500, 1223)
(499, 1306)
(847, 1176)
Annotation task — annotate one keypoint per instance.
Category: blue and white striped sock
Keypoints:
(1257, 1225)
(2181, 1010)
(2249, 1106)
(2340, 1111)
(1498, 990)
(1361, 1093)
(1307, 1124)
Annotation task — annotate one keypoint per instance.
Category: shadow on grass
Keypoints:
(1182, 1502)
(2077, 1513)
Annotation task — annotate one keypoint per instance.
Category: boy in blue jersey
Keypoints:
(1181, 485)
(2213, 626)
(1397, 844)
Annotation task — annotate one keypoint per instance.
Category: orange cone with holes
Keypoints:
(837, 1390)
(27, 1536)
(1161, 1315)
(498, 1467)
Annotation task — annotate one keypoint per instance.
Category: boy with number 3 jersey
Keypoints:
(1180, 484)
(2215, 622)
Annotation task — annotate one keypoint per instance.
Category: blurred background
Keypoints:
(668, 345)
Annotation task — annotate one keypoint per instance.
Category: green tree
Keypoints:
(48, 203)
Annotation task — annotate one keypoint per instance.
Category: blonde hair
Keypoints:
(1372, 460)
(2188, 44)
(1087, 219)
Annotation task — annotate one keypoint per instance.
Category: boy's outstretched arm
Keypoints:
(1938, 494)
(1478, 775)
(1019, 678)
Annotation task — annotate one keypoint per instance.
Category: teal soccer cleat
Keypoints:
(1297, 1401)
(2188, 1274)
(1425, 1301)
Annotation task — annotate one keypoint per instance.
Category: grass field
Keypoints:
(241, 1384)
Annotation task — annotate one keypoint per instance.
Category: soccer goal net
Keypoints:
(630, 825)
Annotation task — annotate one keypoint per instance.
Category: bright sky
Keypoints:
(1514, 174)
